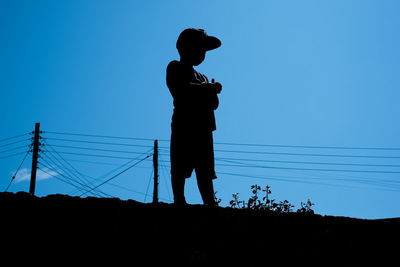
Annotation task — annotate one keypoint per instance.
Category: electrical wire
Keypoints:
(113, 177)
(123, 165)
(309, 162)
(148, 185)
(298, 154)
(308, 147)
(290, 180)
(12, 155)
(93, 155)
(232, 143)
(378, 182)
(12, 149)
(99, 149)
(16, 142)
(306, 154)
(307, 169)
(99, 136)
(256, 149)
(245, 165)
(167, 175)
(93, 162)
(97, 142)
(13, 137)
(119, 167)
(71, 181)
(74, 172)
(19, 167)
(65, 172)
(69, 164)
(78, 176)
(68, 180)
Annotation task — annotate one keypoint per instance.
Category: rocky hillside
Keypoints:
(60, 229)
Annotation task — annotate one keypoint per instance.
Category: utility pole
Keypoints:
(34, 158)
(155, 165)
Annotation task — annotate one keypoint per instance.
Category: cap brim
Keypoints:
(211, 43)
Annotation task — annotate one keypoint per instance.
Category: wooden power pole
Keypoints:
(35, 152)
(155, 164)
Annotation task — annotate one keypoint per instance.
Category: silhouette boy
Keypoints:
(193, 121)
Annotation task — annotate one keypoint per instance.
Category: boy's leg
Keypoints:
(205, 171)
(178, 188)
(178, 166)
(206, 188)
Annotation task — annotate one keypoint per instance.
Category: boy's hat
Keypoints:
(197, 37)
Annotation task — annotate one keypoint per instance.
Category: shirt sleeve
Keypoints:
(174, 78)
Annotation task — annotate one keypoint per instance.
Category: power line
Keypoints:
(100, 136)
(100, 149)
(309, 147)
(379, 182)
(68, 180)
(134, 191)
(97, 142)
(246, 165)
(167, 174)
(295, 180)
(277, 178)
(306, 169)
(253, 149)
(93, 155)
(16, 142)
(233, 143)
(77, 174)
(67, 173)
(69, 164)
(123, 165)
(19, 167)
(307, 154)
(119, 167)
(93, 162)
(116, 175)
(148, 185)
(12, 155)
(13, 137)
(81, 177)
(12, 149)
(310, 162)
(298, 154)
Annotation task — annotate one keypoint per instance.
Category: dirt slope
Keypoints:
(60, 229)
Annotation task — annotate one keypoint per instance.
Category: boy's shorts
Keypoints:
(192, 151)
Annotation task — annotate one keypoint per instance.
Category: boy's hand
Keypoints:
(213, 86)
(217, 85)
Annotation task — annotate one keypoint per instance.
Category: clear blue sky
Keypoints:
(308, 73)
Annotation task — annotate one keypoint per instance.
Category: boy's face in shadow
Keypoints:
(194, 55)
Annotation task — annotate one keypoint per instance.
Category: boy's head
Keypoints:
(192, 45)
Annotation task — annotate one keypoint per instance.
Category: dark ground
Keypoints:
(60, 229)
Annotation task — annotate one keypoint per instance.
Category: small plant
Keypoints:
(254, 203)
(235, 203)
(216, 199)
(267, 203)
(284, 207)
(306, 207)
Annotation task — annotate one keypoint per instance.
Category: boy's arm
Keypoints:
(176, 82)
(214, 88)
(207, 92)
(191, 94)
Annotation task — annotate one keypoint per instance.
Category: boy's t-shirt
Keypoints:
(193, 108)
